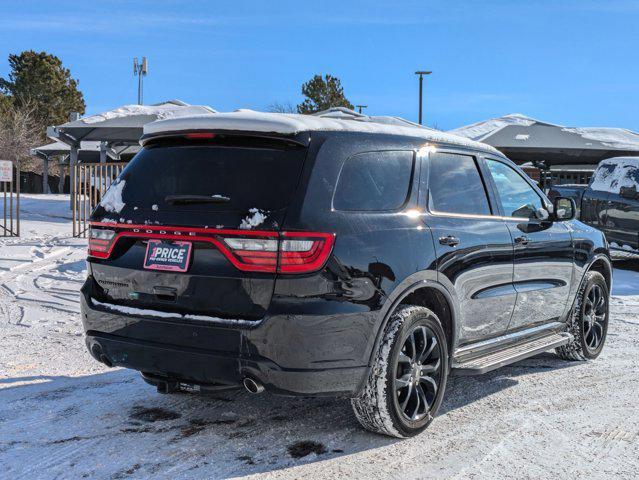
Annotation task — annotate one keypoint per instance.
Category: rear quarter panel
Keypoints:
(374, 255)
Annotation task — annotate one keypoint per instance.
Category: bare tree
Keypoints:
(277, 107)
(19, 132)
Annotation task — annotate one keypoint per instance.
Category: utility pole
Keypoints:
(359, 107)
(421, 74)
(140, 69)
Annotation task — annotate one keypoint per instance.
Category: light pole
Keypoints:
(140, 69)
(421, 74)
(359, 107)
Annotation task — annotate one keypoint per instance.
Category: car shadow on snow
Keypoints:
(117, 422)
(463, 390)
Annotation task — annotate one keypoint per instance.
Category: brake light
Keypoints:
(247, 250)
(100, 242)
(302, 252)
(299, 252)
(198, 135)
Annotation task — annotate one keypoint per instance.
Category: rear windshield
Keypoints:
(263, 178)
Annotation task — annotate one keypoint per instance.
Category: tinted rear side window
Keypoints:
(264, 178)
(374, 181)
(455, 185)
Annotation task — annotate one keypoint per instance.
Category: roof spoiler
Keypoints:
(301, 138)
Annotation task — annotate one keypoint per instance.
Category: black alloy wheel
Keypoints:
(418, 371)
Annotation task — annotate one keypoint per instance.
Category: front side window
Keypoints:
(455, 186)
(518, 198)
(374, 181)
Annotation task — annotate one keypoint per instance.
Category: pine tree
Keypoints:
(323, 93)
(40, 80)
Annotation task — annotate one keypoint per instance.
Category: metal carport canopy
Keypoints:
(525, 139)
(89, 151)
(122, 125)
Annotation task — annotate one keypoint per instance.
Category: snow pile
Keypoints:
(480, 130)
(292, 123)
(255, 218)
(163, 110)
(112, 200)
(618, 138)
(614, 173)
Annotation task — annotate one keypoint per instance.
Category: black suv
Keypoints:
(316, 256)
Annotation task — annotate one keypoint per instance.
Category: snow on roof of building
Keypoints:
(519, 130)
(618, 138)
(480, 130)
(171, 108)
(340, 120)
(60, 147)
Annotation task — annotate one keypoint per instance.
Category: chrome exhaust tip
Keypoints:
(253, 386)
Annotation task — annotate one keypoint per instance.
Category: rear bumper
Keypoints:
(210, 354)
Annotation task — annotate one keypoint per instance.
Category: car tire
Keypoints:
(588, 322)
(408, 376)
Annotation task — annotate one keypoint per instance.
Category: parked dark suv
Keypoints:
(316, 256)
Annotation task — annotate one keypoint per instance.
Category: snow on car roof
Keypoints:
(292, 123)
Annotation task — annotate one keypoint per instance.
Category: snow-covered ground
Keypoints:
(63, 415)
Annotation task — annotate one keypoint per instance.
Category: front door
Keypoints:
(543, 255)
(474, 247)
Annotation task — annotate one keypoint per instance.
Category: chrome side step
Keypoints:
(509, 355)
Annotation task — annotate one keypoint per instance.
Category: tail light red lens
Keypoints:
(249, 251)
(100, 242)
(298, 252)
(302, 252)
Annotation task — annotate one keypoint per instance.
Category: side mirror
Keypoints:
(629, 192)
(565, 209)
(541, 214)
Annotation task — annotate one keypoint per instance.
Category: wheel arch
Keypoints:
(432, 295)
(602, 264)
(598, 263)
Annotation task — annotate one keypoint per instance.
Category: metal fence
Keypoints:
(10, 191)
(562, 177)
(91, 182)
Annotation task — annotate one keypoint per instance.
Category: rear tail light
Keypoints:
(100, 242)
(252, 254)
(298, 252)
(249, 251)
(302, 252)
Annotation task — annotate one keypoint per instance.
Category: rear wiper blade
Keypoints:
(177, 199)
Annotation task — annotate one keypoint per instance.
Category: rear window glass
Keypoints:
(455, 185)
(374, 181)
(264, 178)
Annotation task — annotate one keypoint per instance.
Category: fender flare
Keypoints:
(424, 283)
(587, 268)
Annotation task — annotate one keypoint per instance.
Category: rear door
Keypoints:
(594, 208)
(623, 222)
(543, 249)
(474, 247)
(196, 226)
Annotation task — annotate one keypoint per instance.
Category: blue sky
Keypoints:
(573, 62)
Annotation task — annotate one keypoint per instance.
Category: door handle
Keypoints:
(523, 240)
(449, 241)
